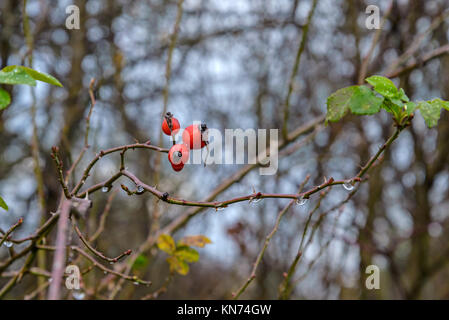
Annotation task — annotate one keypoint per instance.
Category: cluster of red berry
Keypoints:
(193, 137)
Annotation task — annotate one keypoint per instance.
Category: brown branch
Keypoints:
(18, 277)
(134, 279)
(367, 59)
(223, 204)
(267, 241)
(57, 159)
(10, 230)
(109, 151)
(420, 61)
(86, 135)
(59, 257)
(92, 249)
(301, 47)
(415, 44)
(103, 216)
(285, 287)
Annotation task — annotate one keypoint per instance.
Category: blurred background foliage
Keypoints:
(231, 67)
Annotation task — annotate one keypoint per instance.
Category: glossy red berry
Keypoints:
(195, 136)
(170, 125)
(178, 155)
(177, 167)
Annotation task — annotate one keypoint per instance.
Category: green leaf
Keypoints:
(178, 265)
(364, 101)
(403, 96)
(5, 99)
(384, 86)
(15, 75)
(410, 107)
(392, 108)
(40, 76)
(3, 204)
(430, 113)
(140, 262)
(166, 243)
(196, 241)
(431, 110)
(187, 254)
(338, 103)
(25, 75)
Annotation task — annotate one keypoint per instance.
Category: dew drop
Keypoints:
(139, 189)
(301, 201)
(7, 244)
(136, 283)
(255, 201)
(105, 189)
(219, 208)
(348, 185)
(79, 295)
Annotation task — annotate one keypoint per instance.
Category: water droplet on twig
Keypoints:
(301, 201)
(78, 295)
(8, 244)
(348, 185)
(105, 189)
(255, 201)
(140, 189)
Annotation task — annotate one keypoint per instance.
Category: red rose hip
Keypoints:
(195, 136)
(170, 125)
(178, 155)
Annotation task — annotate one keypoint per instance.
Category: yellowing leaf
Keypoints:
(195, 241)
(178, 265)
(187, 254)
(166, 243)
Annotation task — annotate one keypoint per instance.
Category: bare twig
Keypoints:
(420, 61)
(103, 216)
(267, 241)
(301, 47)
(59, 258)
(86, 135)
(103, 268)
(57, 159)
(414, 46)
(92, 249)
(10, 230)
(367, 59)
(102, 153)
